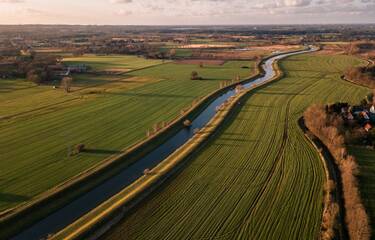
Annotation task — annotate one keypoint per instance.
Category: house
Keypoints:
(372, 109)
(367, 127)
(365, 115)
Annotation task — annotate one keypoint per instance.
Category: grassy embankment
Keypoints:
(259, 178)
(41, 123)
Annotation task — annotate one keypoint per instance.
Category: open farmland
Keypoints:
(112, 62)
(35, 141)
(258, 178)
(365, 159)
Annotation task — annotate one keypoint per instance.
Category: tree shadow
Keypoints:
(9, 197)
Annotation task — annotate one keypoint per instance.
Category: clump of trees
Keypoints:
(330, 213)
(362, 75)
(329, 129)
(36, 67)
(359, 47)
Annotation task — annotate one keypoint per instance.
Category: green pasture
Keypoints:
(258, 178)
(106, 113)
(112, 62)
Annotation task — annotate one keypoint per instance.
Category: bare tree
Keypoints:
(172, 52)
(66, 83)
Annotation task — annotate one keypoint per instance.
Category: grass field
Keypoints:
(366, 161)
(112, 62)
(258, 178)
(34, 143)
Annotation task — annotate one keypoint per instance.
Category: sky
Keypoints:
(186, 12)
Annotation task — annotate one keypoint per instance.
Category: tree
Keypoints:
(195, 76)
(34, 76)
(172, 52)
(66, 83)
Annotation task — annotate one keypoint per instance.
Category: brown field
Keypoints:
(196, 46)
(250, 52)
(276, 47)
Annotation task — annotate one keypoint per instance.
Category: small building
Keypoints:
(372, 109)
(367, 127)
(365, 115)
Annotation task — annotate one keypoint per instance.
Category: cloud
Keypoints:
(12, 1)
(121, 1)
(123, 12)
(293, 3)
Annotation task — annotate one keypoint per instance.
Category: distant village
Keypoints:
(359, 120)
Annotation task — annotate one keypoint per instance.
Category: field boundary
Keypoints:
(101, 219)
(332, 173)
(25, 214)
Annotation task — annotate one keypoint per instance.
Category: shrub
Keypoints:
(79, 148)
(195, 76)
(187, 123)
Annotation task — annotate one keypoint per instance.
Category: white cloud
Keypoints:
(121, 1)
(293, 3)
(12, 1)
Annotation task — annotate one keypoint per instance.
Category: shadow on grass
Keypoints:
(9, 197)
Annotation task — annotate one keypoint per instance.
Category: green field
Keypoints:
(42, 123)
(112, 62)
(258, 178)
(179, 52)
(366, 160)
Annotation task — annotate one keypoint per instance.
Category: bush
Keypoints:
(79, 148)
(187, 123)
(195, 76)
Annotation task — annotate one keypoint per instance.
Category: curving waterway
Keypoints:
(93, 198)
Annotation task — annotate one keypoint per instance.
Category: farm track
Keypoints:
(258, 178)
